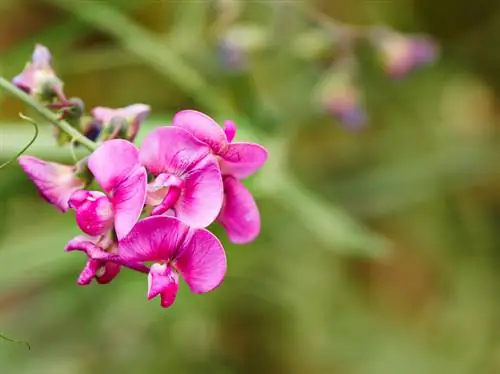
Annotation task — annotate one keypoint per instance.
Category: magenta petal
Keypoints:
(243, 159)
(202, 196)
(171, 150)
(88, 273)
(94, 212)
(128, 201)
(154, 239)
(202, 261)
(163, 281)
(107, 272)
(239, 215)
(55, 182)
(82, 243)
(112, 162)
(203, 128)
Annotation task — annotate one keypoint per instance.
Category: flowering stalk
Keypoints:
(47, 114)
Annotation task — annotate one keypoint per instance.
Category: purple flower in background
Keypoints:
(174, 249)
(401, 54)
(239, 214)
(55, 182)
(232, 55)
(340, 97)
(122, 121)
(38, 77)
(188, 182)
(115, 166)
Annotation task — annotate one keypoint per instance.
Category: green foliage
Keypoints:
(379, 248)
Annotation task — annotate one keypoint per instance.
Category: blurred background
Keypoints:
(380, 204)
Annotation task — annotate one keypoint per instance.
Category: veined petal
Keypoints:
(243, 159)
(128, 201)
(94, 212)
(112, 162)
(202, 261)
(171, 150)
(239, 215)
(203, 128)
(163, 281)
(202, 195)
(154, 239)
(55, 182)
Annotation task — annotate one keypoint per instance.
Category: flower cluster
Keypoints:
(147, 208)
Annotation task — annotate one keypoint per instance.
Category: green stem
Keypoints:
(47, 114)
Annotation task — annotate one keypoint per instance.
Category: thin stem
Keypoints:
(25, 148)
(47, 114)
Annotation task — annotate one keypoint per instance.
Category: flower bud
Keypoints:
(38, 77)
(122, 123)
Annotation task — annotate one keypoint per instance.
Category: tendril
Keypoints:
(12, 340)
(25, 148)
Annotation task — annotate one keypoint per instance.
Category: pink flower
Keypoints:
(55, 182)
(239, 214)
(122, 121)
(38, 77)
(102, 264)
(175, 249)
(188, 182)
(103, 271)
(115, 166)
(401, 54)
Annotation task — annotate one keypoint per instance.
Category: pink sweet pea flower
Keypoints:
(115, 166)
(100, 265)
(188, 182)
(125, 120)
(38, 77)
(239, 214)
(55, 182)
(175, 249)
(102, 271)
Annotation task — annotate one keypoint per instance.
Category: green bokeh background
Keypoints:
(379, 251)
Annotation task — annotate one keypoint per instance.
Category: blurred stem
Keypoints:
(47, 114)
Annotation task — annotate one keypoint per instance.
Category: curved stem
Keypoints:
(12, 340)
(47, 114)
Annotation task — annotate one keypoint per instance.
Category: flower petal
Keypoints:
(154, 239)
(112, 162)
(88, 273)
(202, 195)
(55, 182)
(128, 201)
(239, 215)
(202, 261)
(171, 150)
(203, 128)
(107, 272)
(243, 159)
(94, 211)
(163, 281)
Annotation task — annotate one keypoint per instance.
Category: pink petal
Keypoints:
(94, 212)
(55, 182)
(171, 150)
(202, 196)
(128, 201)
(156, 239)
(41, 56)
(135, 115)
(103, 114)
(112, 162)
(230, 130)
(88, 273)
(202, 127)
(202, 261)
(163, 281)
(243, 159)
(107, 272)
(239, 215)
